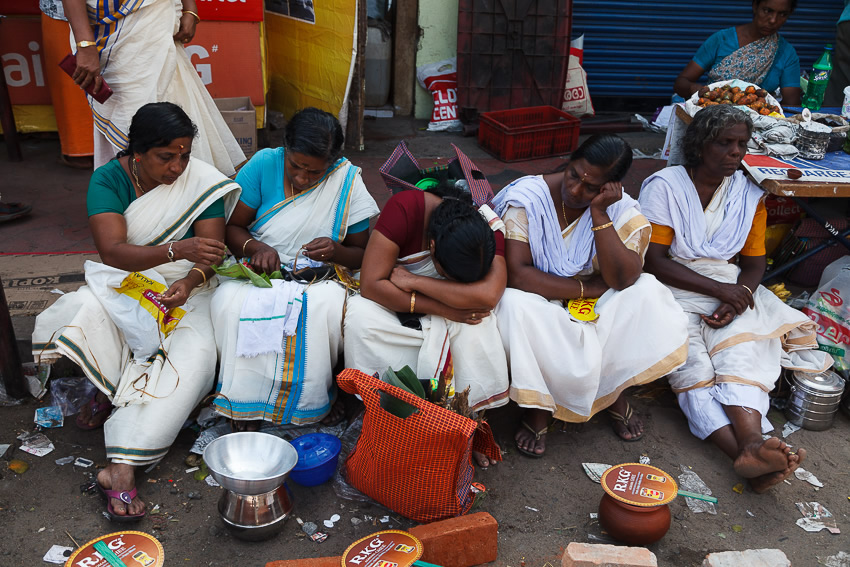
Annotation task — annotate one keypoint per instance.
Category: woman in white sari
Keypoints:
(158, 210)
(433, 271)
(299, 202)
(706, 214)
(136, 46)
(574, 237)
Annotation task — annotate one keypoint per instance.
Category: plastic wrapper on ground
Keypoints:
(690, 481)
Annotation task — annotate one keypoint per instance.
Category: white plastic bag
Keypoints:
(829, 307)
(576, 96)
(441, 79)
(131, 300)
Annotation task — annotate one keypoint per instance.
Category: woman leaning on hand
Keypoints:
(153, 208)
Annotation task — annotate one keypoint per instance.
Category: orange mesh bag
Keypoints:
(419, 466)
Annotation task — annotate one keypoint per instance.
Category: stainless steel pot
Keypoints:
(250, 462)
(814, 399)
(255, 517)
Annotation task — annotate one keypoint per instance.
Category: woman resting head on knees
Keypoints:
(434, 270)
(304, 202)
(575, 246)
(708, 227)
(753, 52)
(158, 210)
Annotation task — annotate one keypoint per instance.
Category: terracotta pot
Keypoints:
(635, 525)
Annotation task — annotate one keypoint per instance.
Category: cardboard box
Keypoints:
(241, 118)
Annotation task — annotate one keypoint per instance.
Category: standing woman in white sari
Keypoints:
(299, 200)
(136, 46)
(154, 209)
(571, 237)
(436, 261)
(707, 245)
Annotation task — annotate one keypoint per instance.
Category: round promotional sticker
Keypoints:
(135, 549)
(390, 548)
(639, 485)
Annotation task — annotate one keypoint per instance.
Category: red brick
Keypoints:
(457, 542)
(600, 555)
(460, 542)
(748, 558)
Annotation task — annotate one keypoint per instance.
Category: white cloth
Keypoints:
(704, 406)
(295, 386)
(152, 398)
(142, 63)
(268, 316)
(669, 198)
(544, 234)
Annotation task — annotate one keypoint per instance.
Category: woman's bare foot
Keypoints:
(121, 478)
(482, 460)
(530, 437)
(761, 458)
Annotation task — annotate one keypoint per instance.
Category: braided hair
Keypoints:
(464, 244)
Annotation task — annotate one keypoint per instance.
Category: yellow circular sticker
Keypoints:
(583, 309)
(639, 485)
(135, 549)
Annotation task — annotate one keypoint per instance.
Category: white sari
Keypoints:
(737, 364)
(576, 368)
(296, 386)
(152, 398)
(376, 340)
(141, 62)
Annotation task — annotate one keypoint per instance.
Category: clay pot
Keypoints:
(635, 525)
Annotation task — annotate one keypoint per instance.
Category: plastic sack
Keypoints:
(71, 393)
(576, 96)
(441, 79)
(829, 308)
(132, 302)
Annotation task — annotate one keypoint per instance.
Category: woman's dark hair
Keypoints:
(156, 125)
(607, 151)
(708, 124)
(314, 133)
(792, 2)
(464, 244)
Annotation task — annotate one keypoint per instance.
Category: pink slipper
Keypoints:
(124, 496)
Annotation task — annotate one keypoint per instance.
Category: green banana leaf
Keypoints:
(398, 408)
(235, 269)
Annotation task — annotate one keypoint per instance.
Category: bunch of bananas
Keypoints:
(780, 291)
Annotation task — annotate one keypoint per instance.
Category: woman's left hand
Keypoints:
(721, 317)
(188, 23)
(321, 249)
(610, 193)
(403, 279)
(177, 294)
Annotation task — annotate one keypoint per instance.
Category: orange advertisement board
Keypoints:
(23, 60)
(231, 10)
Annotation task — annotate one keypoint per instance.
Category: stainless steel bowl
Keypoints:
(250, 462)
(257, 517)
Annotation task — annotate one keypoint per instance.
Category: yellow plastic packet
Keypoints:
(583, 309)
(146, 292)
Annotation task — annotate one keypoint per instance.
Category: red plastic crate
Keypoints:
(528, 133)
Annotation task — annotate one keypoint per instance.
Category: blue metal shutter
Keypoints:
(637, 48)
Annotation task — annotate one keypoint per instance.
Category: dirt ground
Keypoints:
(541, 505)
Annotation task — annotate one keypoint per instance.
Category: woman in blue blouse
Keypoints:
(752, 52)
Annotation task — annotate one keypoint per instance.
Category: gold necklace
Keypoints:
(564, 212)
(693, 180)
(133, 166)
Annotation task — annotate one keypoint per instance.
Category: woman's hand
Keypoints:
(403, 279)
(205, 251)
(736, 296)
(468, 316)
(177, 294)
(88, 68)
(609, 194)
(594, 287)
(721, 317)
(321, 249)
(265, 259)
(188, 24)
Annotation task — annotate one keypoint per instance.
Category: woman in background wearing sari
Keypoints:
(303, 203)
(752, 52)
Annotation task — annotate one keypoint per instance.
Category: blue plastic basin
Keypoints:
(318, 454)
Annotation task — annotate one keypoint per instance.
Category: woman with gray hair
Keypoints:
(708, 226)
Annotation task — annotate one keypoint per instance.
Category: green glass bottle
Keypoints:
(818, 79)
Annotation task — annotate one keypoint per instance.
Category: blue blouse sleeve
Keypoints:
(359, 227)
(706, 55)
(250, 178)
(790, 73)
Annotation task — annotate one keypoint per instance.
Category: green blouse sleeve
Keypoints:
(214, 211)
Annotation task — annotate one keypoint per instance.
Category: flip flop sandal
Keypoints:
(625, 421)
(12, 211)
(96, 409)
(126, 497)
(537, 436)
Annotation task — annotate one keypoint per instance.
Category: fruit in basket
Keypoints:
(751, 97)
(761, 93)
(750, 89)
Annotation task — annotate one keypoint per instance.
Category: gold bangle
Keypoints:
(581, 285)
(601, 226)
(202, 275)
(197, 17)
(244, 245)
(747, 288)
(86, 43)
(412, 300)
